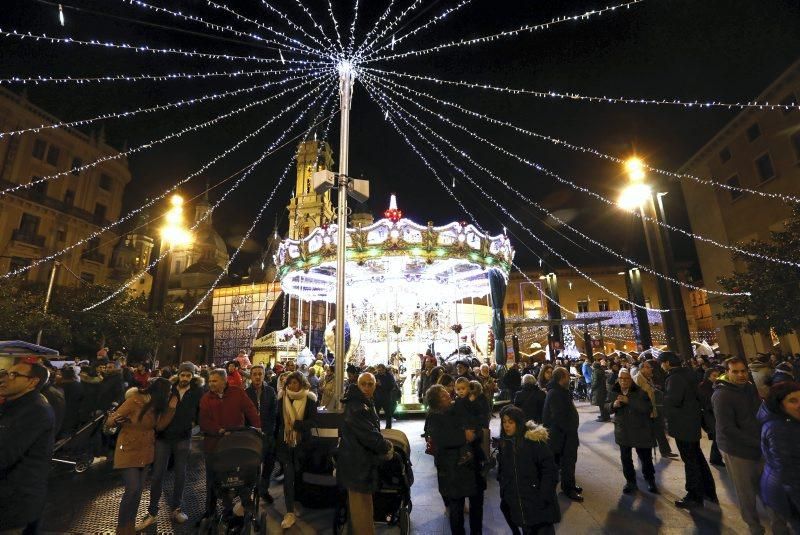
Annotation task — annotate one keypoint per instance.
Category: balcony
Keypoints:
(93, 256)
(27, 238)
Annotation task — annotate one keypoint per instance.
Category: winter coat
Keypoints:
(560, 417)
(531, 400)
(528, 476)
(512, 381)
(780, 480)
(73, 398)
(632, 426)
(709, 422)
(425, 382)
(761, 372)
(136, 442)
(599, 387)
(737, 431)
(682, 405)
(385, 389)
(361, 445)
(267, 408)
(91, 392)
(55, 397)
(611, 379)
(26, 446)
(587, 370)
(489, 385)
(141, 379)
(225, 412)
(186, 413)
(235, 379)
(306, 424)
(112, 390)
(447, 436)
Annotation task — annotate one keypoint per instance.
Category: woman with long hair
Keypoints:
(145, 411)
(545, 374)
(297, 408)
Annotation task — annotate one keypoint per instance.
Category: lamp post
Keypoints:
(639, 195)
(173, 234)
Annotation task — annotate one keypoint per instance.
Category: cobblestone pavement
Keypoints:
(88, 502)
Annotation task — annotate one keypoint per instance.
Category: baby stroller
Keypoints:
(79, 448)
(392, 501)
(236, 465)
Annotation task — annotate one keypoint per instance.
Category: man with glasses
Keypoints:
(26, 447)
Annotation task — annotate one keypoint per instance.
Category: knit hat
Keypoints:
(187, 367)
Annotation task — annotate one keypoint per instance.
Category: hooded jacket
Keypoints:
(682, 405)
(528, 476)
(361, 444)
(780, 480)
(737, 429)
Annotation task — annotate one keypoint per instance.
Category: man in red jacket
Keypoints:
(221, 408)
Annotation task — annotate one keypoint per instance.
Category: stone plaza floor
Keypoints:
(88, 502)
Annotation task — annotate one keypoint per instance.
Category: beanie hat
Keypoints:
(187, 367)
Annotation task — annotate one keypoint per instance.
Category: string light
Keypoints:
(789, 199)
(335, 26)
(550, 214)
(163, 195)
(351, 43)
(375, 27)
(61, 15)
(144, 48)
(367, 45)
(509, 33)
(596, 195)
(382, 98)
(267, 202)
(316, 24)
(193, 128)
(137, 111)
(546, 296)
(292, 24)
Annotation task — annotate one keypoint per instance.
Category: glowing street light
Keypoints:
(633, 196)
(174, 232)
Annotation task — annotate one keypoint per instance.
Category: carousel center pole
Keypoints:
(346, 78)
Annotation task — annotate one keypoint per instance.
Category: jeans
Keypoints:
(475, 515)
(645, 457)
(746, 478)
(388, 408)
(134, 479)
(699, 481)
(164, 449)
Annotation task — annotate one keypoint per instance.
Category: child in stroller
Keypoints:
(236, 469)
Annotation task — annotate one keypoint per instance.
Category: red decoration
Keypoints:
(393, 213)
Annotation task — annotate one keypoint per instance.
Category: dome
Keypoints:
(208, 238)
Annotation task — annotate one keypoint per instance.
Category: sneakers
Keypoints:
(146, 522)
(179, 516)
(288, 520)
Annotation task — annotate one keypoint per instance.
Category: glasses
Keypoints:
(14, 375)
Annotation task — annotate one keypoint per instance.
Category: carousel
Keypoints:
(410, 288)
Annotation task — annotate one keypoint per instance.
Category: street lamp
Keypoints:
(173, 234)
(638, 195)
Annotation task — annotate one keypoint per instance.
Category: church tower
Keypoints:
(307, 209)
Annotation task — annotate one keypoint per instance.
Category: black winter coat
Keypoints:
(738, 431)
(560, 417)
(780, 481)
(709, 422)
(385, 389)
(112, 390)
(599, 387)
(73, 398)
(308, 422)
(361, 445)
(632, 426)
(528, 476)
(26, 446)
(682, 405)
(512, 381)
(447, 434)
(267, 408)
(186, 413)
(531, 400)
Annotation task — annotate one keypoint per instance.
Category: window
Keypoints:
(76, 164)
(61, 233)
(69, 197)
(796, 145)
(602, 305)
(725, 155)
(764, 167)
(105, 182)
(87, 277)
(99, 212)
(39, 148)
(754, 132)
(789, 100)
(734, 183)
(623, 305)
(583, 306)
(52, 155)
(29, 225)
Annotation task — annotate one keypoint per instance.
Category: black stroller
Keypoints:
(392, 501)
(236, 465)
(78, 449)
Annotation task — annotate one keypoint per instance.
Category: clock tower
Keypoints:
(307, 209)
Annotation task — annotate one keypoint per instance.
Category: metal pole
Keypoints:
(56, 263)
(346, 77)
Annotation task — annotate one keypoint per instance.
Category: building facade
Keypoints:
(47, 217)
(759, 149)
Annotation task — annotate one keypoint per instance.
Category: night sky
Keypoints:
(711, 50)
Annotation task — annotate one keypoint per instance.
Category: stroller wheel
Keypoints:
(404, 520)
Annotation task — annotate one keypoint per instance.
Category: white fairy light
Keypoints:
(789, 199)
(335, 26)
(597, 243)
(375, 27)
(173, 188)
(61, 15)
(149, 144)
(372, 90)
(145, 77)
(317, 25)
(352, 41)
(596, 195)
(367, 45)
(528, 28)
(291, 24)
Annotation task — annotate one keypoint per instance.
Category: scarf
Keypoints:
(293, 408)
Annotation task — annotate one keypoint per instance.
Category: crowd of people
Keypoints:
(749, 410)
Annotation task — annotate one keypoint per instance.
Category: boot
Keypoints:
(630, 487)
(651, 487)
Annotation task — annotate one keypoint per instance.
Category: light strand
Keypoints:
(366, 46)
(543, 293)
(351, 42)
(163, 195)
(375, 27)
(784, 197)
(35, 80)
(149, 144)
(600, 197)
(317, 25)
(266, 203)
(504, 210)
(332, 15)
(528, 28)
(519, 194)
(292, 24)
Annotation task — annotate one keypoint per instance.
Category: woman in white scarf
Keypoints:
(297, 409)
